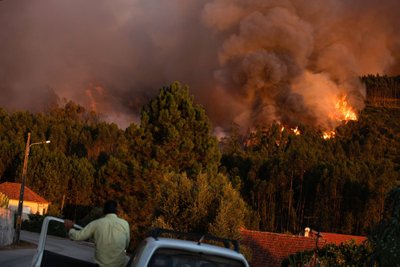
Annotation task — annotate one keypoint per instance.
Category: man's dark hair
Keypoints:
(110, 207)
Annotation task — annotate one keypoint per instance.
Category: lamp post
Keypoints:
(21, 192)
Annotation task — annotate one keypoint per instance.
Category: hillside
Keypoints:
(335, 185)
(167, 170)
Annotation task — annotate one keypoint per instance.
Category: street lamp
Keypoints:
(21, 192)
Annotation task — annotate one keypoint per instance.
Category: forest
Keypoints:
(169, 170)
(382, 90)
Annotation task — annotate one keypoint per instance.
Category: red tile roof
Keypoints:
(337, 239)
(269, 249)
(12, 190)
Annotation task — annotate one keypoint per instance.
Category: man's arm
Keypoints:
(86, 233)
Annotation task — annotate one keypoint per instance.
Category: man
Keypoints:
(111, 236)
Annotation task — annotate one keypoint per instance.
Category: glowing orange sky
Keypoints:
(262, 61)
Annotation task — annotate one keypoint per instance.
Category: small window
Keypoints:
(161, 260)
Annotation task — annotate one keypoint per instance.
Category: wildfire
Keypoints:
(344, 112)
(296, 130)
(328, 135)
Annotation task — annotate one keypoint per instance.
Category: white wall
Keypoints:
(6, 227)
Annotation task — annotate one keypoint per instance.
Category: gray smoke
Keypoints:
(246, 61)
(289, 61)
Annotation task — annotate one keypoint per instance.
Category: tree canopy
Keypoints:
(168, 169)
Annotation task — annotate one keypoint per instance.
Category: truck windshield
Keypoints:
(180, 258)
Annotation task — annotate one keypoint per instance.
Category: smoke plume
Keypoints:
(246, 61)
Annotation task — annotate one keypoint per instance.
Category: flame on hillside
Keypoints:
(344, 113)
(296, 131)
(328, 135)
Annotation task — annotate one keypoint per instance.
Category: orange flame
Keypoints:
(328, 135)
(296, 130)
(344, 112)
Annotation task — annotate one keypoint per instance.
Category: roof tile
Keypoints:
(269, 249)
(12, 191)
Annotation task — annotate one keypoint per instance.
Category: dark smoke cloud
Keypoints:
(290, 60)
(246, 61)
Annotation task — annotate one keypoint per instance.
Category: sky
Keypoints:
(248, 62)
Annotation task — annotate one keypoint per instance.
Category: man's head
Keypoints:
(110, 207)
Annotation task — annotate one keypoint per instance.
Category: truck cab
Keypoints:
(162, 248)
(158, 251)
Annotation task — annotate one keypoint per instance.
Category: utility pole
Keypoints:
(22, 190)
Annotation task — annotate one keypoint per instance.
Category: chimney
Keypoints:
(307, 232)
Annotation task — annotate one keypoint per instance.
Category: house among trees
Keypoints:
(33, 203)
(270, 249)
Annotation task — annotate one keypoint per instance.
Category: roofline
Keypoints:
(26, 188)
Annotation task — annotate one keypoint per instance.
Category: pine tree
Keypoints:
(180, 132)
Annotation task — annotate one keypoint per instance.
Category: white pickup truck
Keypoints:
(155, 251)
